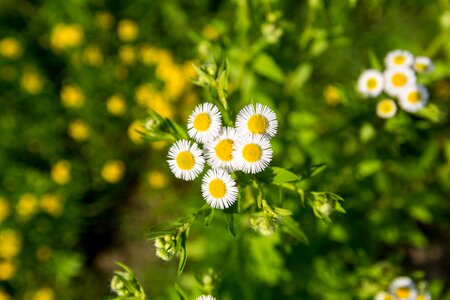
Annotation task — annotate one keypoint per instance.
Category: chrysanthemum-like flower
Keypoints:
(413, 98)
(204, 123)
(423, 64)
(386, 108)
(219, 188)
(253, 153)
(399, 58)
(397, 79)
(257, 119)
(423, 296)
(403, 288)
(206, 297)
(219, 153)
(370, 83)
(185, 160)
(383, 296)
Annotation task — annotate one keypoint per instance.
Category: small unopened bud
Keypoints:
(118, 287)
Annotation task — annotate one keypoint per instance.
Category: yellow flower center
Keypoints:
(202, 122)
(224, 150)
(185, 160)
(217, 188)
(251, 152)
(387, 297)
(420, 297)
(421, 67)
(400, 59)
(399, 79)
(372, 83)
(385, 106)
(402, 292)
(414, 97)
(257, 124)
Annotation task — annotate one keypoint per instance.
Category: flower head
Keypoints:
(397, 79)
(399, 58)
(383, 296)
(413, 98)
(386, 108)
(219, 153)
(253, 153)
(185, 160)
(204, 123)
(423, 64)
(370, 83)
(219, 189)
(257, 119)
(403, 288)
(206, 297)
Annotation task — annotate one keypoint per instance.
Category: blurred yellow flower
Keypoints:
(127, 55)
(44, 293)
(116, 105)
(92, 55)
(148, 97)
(159, 145)
(4, 209)
(65, 36)
(210, 33)
(332, 95)
(72, 96)
(104, 20)
(133, 133)
(144, 94)
(10, 48)
(152, 56)
(113, 170)
(51, 204)
(31, 82)
(61, 172)
(175, 84)
(27, 205)
(7, 270)
(44, 253)
(157, 179)
(127, 30)
(10, 243)
(78, 130)
(4, 295)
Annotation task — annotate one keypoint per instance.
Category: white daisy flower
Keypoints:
(219, 153)
(370, 83)
(185, 160)
(206, 297)
(403, 288)
(423, 64)
(257, 119)
(253, 153)
(204, 123)
(399, 58)
(397, 79)
(219, 188)
(383, 296)
(386, 108)
(413, 98)
(423, 296)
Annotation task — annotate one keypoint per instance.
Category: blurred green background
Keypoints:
(79, 188)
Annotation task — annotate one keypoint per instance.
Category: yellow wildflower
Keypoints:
(127, 55)
(10, 48)
(144, 93)
(4, 295)
(44, 253)
(78, 130)
(31, 82)
(27, 205)
(127, 30)
(116, 105)
(162, 107)
(4, 209)
(113, 170)
(7, 270)
(51, 204)
(157, 179)
(104, 19)
(10, 243)
(44, 293)
(133, 133)
(61, 172)
(332, 95)
(153, 56)
(72, 96)
(210, 33)
(65, 36)
(92, 55)
(175, 84)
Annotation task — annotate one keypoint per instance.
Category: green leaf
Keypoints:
(230, 222)
(264, 65)
(309, 171)
(242, 178)
(180, 292)
(177, 129)
(276, 175)
(291, 227)
(299, 77)
(208, 216)
(374, 60)
(183, 254)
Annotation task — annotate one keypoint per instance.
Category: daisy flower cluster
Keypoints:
(245, 147)
(399, 80)
(403, 288)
